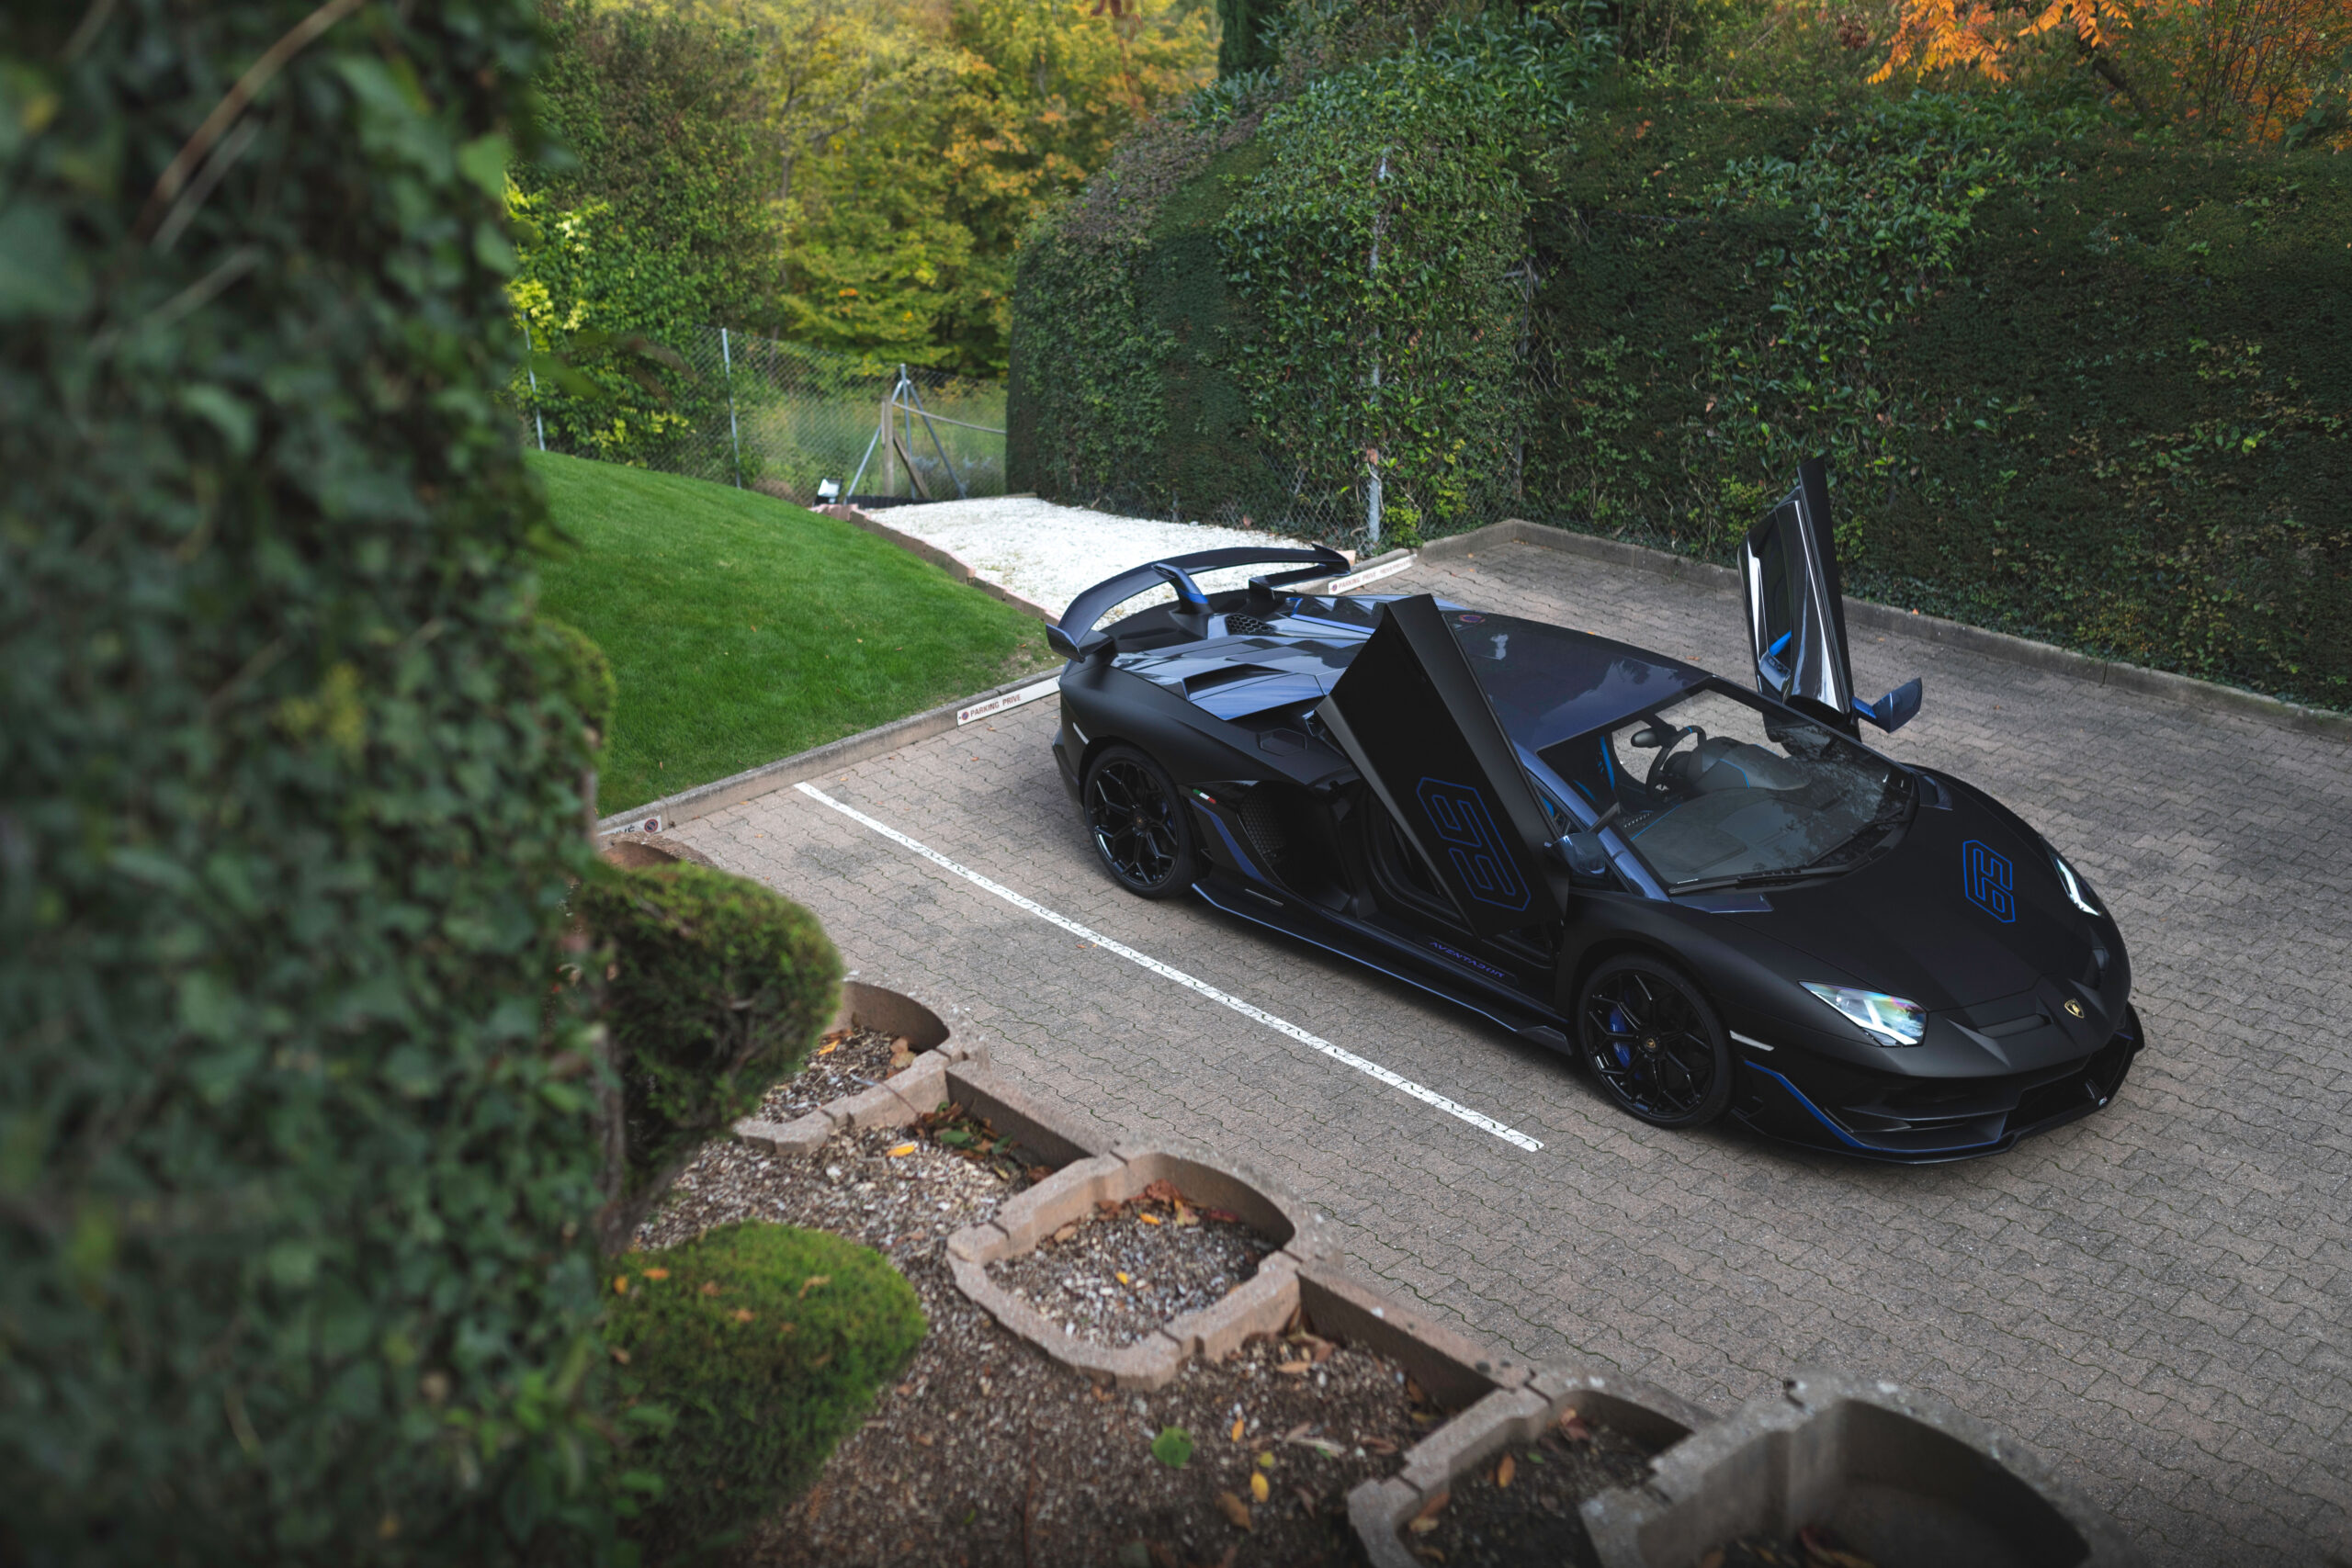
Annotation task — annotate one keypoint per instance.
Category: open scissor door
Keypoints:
(1796, 613)
(1796, 609)
(1410, 716)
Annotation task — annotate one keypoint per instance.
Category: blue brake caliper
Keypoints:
(1617, 1026)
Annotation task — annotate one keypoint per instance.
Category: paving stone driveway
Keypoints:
(2159, 1296)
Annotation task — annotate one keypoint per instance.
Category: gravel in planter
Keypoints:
(1521, 1506)
(847, 1062)
(987, 1453)
(1127, 1269)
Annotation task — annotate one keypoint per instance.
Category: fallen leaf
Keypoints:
(1376, 1445)
(923, 1440)
(814, 1282)
(1298, 1431)
(1235, 1509)
(1066, 1232)
(1162, 1191)
(1504, 1472)
(828, 1050)
(742, 1315)
(783, 1328)
(1294, 1369)
(1238, 1424)
(1148, 1219)
(1120, 1275)
(1259, 1490)
(1305, 1499)
(657, 1273)
(902, 1149)
(1266, 1460)
(620, 1284)
(1572, 1427)
(620, 1355)
(710, 1287)
(1426, 1520)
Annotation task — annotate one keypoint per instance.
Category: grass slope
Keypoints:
(743, 628)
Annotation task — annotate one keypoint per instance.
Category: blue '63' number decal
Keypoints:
(1465, 829)
(1989, 880)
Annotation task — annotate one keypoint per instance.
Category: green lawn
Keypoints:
(742, 628)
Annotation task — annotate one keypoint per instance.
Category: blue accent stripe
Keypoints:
(1849, 1139)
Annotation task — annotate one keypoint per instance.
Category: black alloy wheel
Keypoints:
(1137, 823)
(1654, 1043)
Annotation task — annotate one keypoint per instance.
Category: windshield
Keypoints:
(1714, 788)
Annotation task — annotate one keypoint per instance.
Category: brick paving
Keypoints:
(2158, 1296)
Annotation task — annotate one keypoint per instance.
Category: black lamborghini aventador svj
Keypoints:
(1718, 899)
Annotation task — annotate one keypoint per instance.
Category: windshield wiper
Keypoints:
(1749, 879)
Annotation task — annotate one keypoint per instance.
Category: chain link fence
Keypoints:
(788, 420)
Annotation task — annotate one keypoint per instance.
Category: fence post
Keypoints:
(527, 351)
(734, 436)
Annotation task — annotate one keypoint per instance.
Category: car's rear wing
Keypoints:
(1076, 633)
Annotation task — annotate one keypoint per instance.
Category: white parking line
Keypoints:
(1372, 1069)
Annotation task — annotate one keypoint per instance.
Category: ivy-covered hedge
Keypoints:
(763, 1347)
(2089, 390)
(297, 1148)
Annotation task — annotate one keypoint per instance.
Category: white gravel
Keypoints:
(1049, 553)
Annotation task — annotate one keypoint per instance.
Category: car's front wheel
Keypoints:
(1137, 821)
(1654, 1042)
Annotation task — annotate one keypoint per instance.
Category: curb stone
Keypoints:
(1907, 1476)
(1378, 1511)
(785, 771)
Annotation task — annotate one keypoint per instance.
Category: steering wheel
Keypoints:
(1666, 741)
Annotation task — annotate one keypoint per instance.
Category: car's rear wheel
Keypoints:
(1654, 1042)
(1136, 820)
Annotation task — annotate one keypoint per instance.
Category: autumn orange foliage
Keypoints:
(2245, 68)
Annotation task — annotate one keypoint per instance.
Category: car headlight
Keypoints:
(2074, 890)
(1895, 1021)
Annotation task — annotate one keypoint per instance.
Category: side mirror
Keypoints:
(1583, 856)
(1895, 709)
(1058, 641)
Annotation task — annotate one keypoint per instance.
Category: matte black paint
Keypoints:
(1288, 828)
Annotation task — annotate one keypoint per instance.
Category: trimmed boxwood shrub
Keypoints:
(715, 988)
(765, 1344)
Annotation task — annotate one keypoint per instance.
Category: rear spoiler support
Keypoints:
(1076, 636)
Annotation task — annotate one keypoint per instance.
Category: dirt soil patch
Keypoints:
(1815, 1546)
(847, 1062)
(1128, 1268)
(1521, 1507)
(987, 1455)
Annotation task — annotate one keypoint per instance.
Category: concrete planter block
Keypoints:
(802, 1136)
(1259, 1304)
(897, 1100)
(1047, 1130)
(1900, 1476)
(1508, 1415)
(1451, 1369)
(635, 851)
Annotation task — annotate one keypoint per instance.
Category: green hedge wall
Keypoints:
(2087, 389)
(296, 1144)
(2117, 417)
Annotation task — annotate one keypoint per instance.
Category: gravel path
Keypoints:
(1050, 554)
